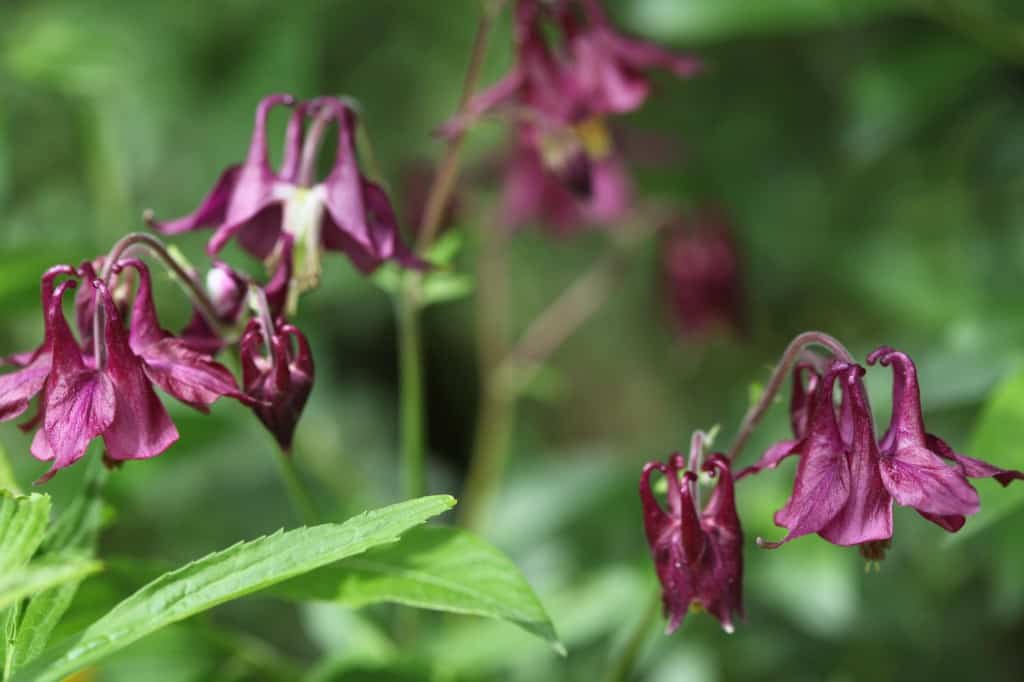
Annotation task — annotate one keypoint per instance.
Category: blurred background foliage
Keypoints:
(871, 157)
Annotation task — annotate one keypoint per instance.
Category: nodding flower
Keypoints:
(847, 478)
(698, 554)
(701, 275)
(256, 205)
(101, 385)
(564, 168)
(280, 380)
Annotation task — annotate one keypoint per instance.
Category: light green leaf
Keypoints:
(999, 439)
(443, 286)
(446, 247)
(443, 569)
(20, 583)
(23, 522)
(74, 534)
(229, 574)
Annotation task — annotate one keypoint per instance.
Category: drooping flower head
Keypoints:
(256, 205)
(563, 167)
(698, 555)
(281, 379)
(847, 478)
(701, 274)
(104, 388)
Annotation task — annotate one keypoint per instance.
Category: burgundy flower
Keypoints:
(280, 380)
(847, 479)
(563, 168)
(701, 275)
(85, 397)
(912, 462)
(344, 212)
(697, 555)
(104, 389)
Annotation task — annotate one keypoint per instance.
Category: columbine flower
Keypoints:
(847, 479)
(701, 274)
(281, 380)
(697, 555)
(563, 167)
(104, 388)
(344, 212)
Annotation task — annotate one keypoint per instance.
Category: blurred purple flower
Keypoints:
(563, 168)
(847, 479)
(701, 275)
(344, 212)
(281, 380)
(698, 556)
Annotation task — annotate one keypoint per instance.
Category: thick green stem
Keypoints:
(410, 368)
(621, 668)
(298, 495)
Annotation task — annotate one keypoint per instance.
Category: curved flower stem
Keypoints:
(196, 293)
(448, 170)
(298, 494)
(789, 358)
(621, 667)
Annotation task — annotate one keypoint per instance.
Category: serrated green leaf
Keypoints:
(23, 521)
(998, 438)
(40, 576)
(442, 569)
(75, 533)
(229, 574)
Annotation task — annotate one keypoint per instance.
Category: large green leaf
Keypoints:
(39, 576)
(998, 438)
(444, 569)
(23, 522)
(231, 573)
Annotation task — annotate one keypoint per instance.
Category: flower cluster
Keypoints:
(846, 484)
(564, 168)
(100, 382)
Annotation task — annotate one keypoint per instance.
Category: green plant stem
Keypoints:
(789, 357)
(298, 495)
(506, 374)
(621, 668)
(412, 426)
(410, 342)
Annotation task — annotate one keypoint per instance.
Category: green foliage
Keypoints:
(442, 569)
(229, 574)
(23, 521)
(40, 576)
(998, 438)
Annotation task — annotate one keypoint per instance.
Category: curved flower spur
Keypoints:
(847, 478)
(343, 212)
(698, 555)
